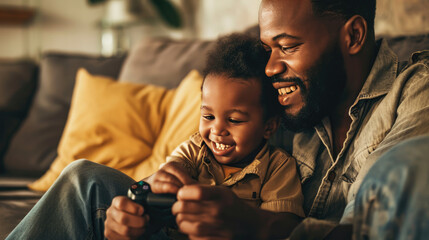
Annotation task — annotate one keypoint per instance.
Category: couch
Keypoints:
(35, 100)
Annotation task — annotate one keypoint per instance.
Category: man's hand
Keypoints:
(215, 212)
(208, 212)
(125, 219)
(169, 178)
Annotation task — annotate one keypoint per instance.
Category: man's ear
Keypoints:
(271, 126)
(355, 31)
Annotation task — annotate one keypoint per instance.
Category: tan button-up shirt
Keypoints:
(270, 181)
(391, 107)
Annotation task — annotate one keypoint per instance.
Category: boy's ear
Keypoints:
(271, 126)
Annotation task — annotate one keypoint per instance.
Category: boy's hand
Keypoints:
(169, 179)
(125, 219)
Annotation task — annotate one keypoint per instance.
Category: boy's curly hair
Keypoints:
(242, 56)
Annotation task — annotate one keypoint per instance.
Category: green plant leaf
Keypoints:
(168, 12)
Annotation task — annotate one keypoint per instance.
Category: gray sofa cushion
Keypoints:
(164, 62)
(34, 146)
(17, 84)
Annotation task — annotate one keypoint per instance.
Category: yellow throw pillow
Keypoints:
(111, 123)
(182, 120)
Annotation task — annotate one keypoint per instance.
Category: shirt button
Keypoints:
(331, 176)
(206, 160)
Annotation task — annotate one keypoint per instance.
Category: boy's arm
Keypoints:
(281, 191)
(169, 178)
(177, 171)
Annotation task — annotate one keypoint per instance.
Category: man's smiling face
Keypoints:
(305, 64)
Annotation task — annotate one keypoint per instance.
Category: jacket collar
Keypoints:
(382, 75)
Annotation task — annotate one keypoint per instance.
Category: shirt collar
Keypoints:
(258, 167)
(197, 139)
(382, 74)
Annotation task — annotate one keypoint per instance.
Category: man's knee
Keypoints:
(85, 172)
(78, 168)
(392, 199)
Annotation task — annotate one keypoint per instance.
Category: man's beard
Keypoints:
(326, 84)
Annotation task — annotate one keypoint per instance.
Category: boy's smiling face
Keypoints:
(231, 122)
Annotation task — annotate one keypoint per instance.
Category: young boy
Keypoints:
(239, 113)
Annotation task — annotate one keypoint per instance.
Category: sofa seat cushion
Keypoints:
(15, 201)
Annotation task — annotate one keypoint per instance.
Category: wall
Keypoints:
(66, 25)
(401, 17)
(217, 17)
(73, 25)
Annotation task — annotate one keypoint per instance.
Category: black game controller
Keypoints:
(158, 206)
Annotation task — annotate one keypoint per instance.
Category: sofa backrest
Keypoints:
(34, 145)
(164, 62)
(18, 80)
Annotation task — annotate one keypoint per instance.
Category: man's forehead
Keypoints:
(280, 16)
(291, 7)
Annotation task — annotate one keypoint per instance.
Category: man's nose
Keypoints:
(274, 66)
(219, 128)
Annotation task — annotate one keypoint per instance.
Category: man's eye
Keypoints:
(289, 49)
(208, 117)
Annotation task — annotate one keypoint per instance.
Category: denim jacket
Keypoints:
(392, 106)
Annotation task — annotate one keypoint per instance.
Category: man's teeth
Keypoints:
(222, 146)
(287, 90)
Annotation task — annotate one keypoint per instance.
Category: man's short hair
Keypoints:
(242, 56)
(346, 9)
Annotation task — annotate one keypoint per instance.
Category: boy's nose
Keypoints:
(219, 130)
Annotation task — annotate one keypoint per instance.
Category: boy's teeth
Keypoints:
(222, 146)
(287, 90)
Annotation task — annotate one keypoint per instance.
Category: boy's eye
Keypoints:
(235, 121)
(208, 117)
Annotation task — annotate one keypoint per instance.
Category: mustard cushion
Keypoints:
(110, 123)
(121, 124)
(182, 120)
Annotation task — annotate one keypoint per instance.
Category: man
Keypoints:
(349, 103)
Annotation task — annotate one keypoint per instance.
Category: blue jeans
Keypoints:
(392, 203)
(393, 200)
(75, 206)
